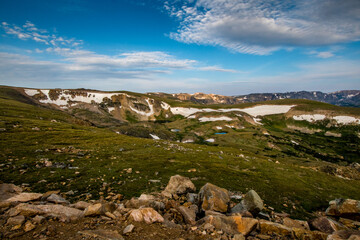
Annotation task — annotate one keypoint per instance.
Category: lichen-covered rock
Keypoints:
(178, 185)
(214, 198)
(230, 224)
(348, 208)
(148, 215)
(267, 227)
(291, 223)
(29, 226)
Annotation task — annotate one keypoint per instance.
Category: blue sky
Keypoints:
(228, 47)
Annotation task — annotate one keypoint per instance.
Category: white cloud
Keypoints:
(82, 59)
(217, 69)
(30, 31)
(326, 54)
(261, 27)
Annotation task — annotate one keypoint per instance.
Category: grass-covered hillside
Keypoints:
(47, 149)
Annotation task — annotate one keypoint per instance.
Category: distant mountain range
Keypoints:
(348, 98)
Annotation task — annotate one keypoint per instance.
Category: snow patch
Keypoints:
(64, 97)
(110, 109)
(309, 117)
(145, 113)
(188, 141)
(154, 136)
(261, 110)
(264, 110)
(31, 92)
(319, 117)
(346, 120)
(210, 140)
(184, 111)
(212, 119)
(165, 106)
(257, 121)
(217, 127)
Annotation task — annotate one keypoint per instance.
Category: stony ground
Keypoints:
(178, 212)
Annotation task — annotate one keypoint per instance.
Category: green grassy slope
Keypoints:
(90, 160)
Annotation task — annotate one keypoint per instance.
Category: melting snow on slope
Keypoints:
(145, 113)
(210, 140)
(212, 119)
(261, 110)
(346, 119)
(165, 106)
(185, 111)
(257, 121)
(154, 136)
(319, 117)
(31, 92)
(64, 97)
(310, 118)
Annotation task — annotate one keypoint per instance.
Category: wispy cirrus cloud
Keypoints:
(29, 31)
(261, 27)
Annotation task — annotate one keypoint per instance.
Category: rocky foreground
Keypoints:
(176, 213)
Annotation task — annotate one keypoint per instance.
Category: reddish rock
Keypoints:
(230, 224)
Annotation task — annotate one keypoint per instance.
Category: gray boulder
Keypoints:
(251, 203)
